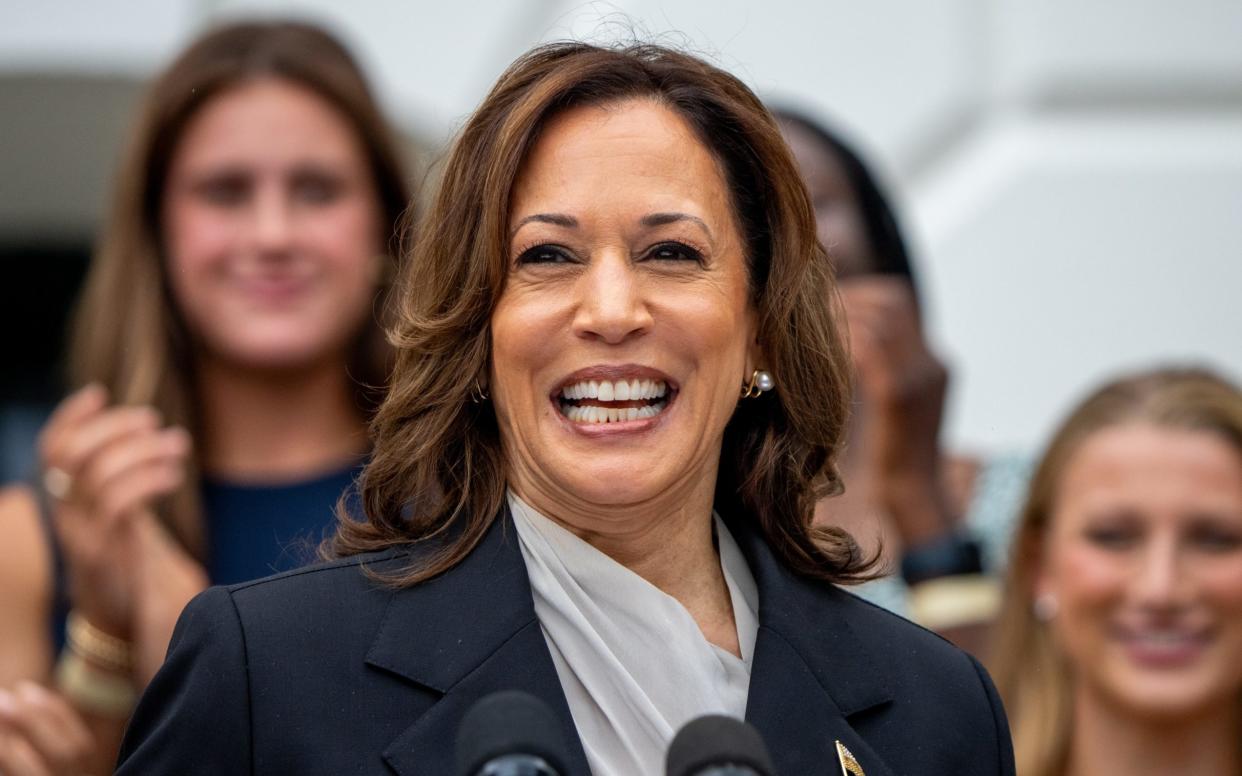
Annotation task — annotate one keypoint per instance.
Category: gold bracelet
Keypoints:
(92, 690)
(107, 652)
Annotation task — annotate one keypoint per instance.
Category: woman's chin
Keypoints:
(614, 482)
(619, 464)
(1171, 696)
(276, 354)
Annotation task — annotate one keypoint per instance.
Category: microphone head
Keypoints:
(509, 723)
(717, 742)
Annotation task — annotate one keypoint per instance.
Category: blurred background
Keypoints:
(1069, 171)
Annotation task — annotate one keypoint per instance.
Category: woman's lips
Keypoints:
(1163, 647)
(274, 288)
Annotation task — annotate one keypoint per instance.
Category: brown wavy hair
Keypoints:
(1032, 676)
(437, 468)
(128, 334)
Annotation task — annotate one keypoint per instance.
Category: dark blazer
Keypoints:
(322, 671)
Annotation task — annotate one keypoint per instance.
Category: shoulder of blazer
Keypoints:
(939, 690)
(353, 565)
(916, 701)
(873, 642)
(285, 673)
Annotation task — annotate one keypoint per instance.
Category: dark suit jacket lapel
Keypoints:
(465, 635)
(473, 631)
(810, 673)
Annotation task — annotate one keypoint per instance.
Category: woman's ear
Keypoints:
(1039, 580)
(756, 357)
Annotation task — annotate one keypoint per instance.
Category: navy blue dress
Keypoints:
(257, 530)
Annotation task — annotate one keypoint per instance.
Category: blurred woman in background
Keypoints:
(892, 461)
(930, 511)
(1122, 627)
(229, 344)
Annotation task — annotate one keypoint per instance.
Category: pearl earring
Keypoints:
(760, 382)
(1046, 607)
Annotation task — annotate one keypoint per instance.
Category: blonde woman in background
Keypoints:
(1121, 636)
(229, 343)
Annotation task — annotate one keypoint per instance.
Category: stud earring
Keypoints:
(478, 394)
(1046, 607)
(760, 382)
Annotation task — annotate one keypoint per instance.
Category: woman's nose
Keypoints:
(1160, 579)
(612, 306)
(272, 227)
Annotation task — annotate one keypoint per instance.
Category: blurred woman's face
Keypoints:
(271, 227)
(625, 330)
(839, 218)
(1144, 558)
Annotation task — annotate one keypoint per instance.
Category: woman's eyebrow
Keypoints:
(556, 219)
(661, 219)
(649, 221)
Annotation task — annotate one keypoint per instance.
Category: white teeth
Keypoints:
(595, 414)
(621, 390)
(652, 391)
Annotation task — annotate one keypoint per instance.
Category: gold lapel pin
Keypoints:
(849, 766)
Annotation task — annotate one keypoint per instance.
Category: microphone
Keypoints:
(716, 745)
(511, 733)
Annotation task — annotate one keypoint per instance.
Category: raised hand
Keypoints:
(104, 466)
(902, 386)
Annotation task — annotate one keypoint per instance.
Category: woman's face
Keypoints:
(271, 227)
(625, 329)
(838, 214)
(1144, 558)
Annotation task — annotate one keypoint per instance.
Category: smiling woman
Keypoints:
(624, 267)
(270, 169)
(1122, 625)
(618, 396)
(232, 301)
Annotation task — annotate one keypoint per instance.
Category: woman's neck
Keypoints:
(1108, 739)
(670, 544)
(269, 425)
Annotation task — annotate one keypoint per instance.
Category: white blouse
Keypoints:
(632, 662)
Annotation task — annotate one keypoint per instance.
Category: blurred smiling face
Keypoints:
(624, 331)
(1144, 557)
(271, 227)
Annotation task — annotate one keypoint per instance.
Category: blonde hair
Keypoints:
(437, 465)
(1034, 679)
(127, 332)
